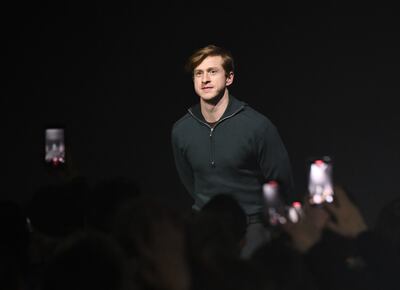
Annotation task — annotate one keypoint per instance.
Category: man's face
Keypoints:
(210, 79)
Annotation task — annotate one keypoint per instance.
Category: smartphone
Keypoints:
(54, 147)
(295, 212)
(273, 204)
(276, 210)
(320, 183)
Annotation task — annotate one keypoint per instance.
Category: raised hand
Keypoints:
(347, 219)
(307, 232)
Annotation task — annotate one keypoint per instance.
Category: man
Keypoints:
(223, 146)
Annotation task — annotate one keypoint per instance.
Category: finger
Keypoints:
(306, 200)
(319, 216)
(334, 212)
(332, 226)
(287, 227)
(341, 195)
(331, 208)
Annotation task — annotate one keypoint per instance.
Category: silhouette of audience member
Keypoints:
(282, 257)
(345, 264)
(105, 198)
(14, 245)
(54, 212)
(152, 235)
(58, 210)
(215, 239)
(385, 255)
(84, 261)
(232, 215)
(387, 226)
(115, 237)
(308, 231)
(12, 277)
(338, 247)
(284, 264)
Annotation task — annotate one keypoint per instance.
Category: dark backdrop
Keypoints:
(325, 73)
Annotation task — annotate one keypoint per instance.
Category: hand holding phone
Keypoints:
(348, 220)
(276, 210)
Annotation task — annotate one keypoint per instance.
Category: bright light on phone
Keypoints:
(273, 208)
(320, 184)
(54, 146)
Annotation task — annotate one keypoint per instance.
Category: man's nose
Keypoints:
(205, 78)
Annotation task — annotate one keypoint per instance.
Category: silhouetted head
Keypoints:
(388, 223)
(86, 260)
(58, 210)
(228, 210)
(105, 198)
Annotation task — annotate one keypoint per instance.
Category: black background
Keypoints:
(112, 72)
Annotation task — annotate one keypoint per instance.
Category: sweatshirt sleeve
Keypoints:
(274, 160)
(182, 165)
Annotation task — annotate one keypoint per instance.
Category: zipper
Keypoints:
(212, 153)
(212, 145)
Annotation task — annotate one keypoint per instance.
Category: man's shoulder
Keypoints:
(182, 122)
(256, 117)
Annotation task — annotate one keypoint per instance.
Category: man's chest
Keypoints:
(221, 147)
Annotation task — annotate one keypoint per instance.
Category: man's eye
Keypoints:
(213, 72)
(198, 73)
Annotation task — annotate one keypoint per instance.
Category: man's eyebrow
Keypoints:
(208, 69)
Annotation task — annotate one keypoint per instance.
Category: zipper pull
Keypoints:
(211, 131)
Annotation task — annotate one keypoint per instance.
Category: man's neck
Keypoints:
(212, 112)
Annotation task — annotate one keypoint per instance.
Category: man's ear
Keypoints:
(229, 78)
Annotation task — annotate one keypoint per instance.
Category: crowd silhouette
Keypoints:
(114, 235)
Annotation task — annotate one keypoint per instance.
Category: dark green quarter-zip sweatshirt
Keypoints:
(236, 156)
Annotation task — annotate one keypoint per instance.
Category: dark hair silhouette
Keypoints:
(86, 260)
(230, 213)
(14, 245)
(105, 198)
(58, 210)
